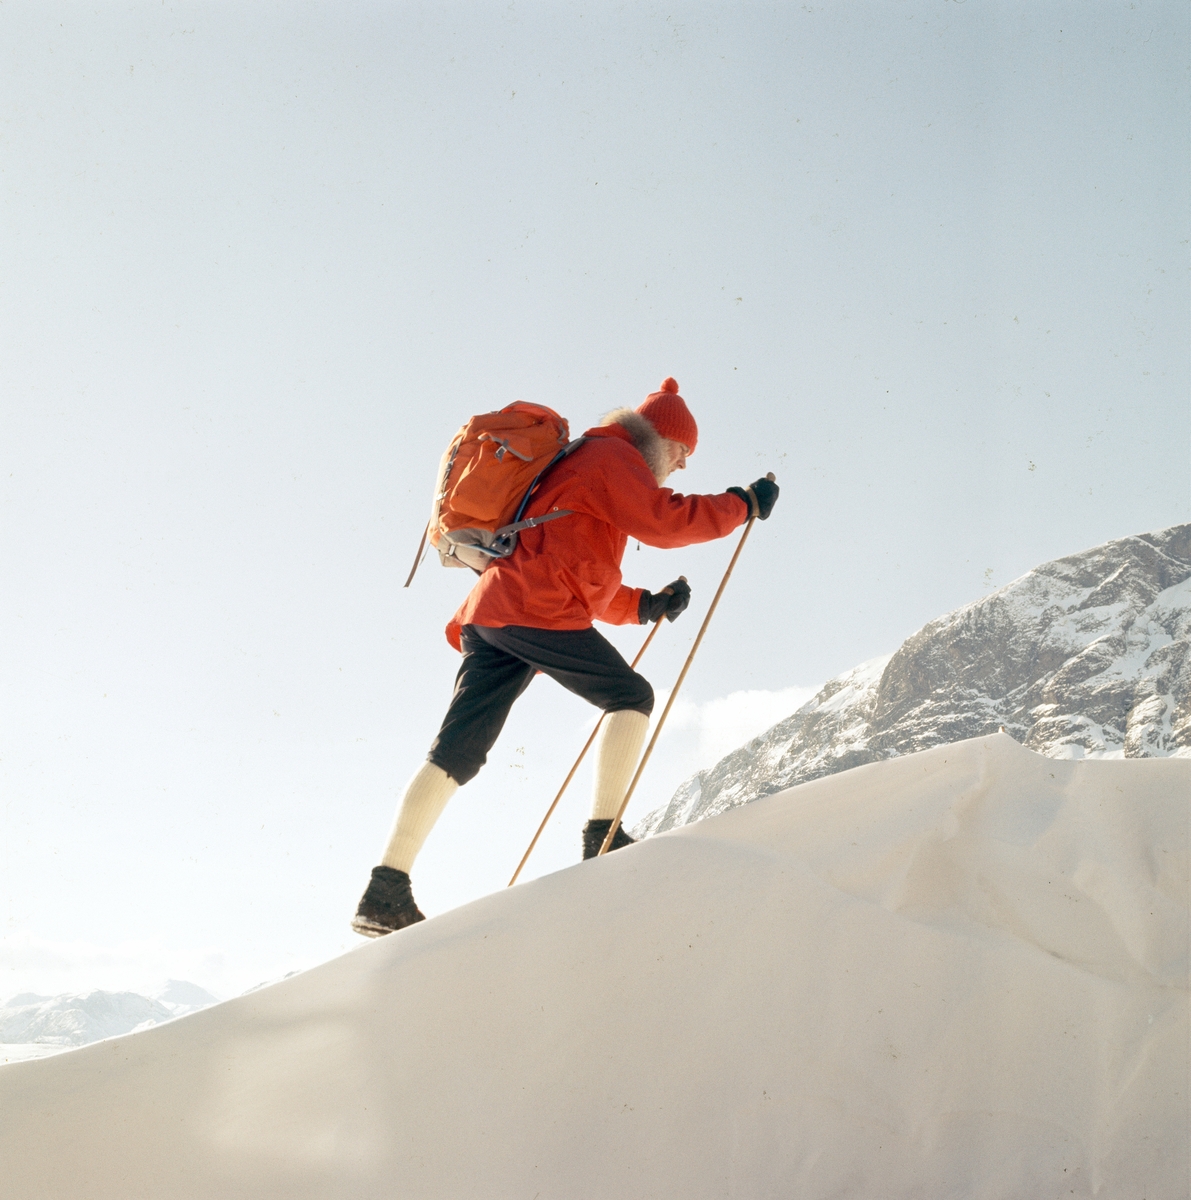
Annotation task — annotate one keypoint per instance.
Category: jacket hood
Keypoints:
(642, 434)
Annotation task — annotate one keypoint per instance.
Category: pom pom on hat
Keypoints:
(667, 412)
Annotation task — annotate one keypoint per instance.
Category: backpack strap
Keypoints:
(506, 536)
(569, 448)
(418, 556)
(530, 522)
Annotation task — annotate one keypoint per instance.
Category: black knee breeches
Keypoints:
(497, 667)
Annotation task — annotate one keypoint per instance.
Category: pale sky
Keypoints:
(927, 262)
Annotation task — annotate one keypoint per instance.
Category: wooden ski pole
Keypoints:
(682, 675)
(583, 753)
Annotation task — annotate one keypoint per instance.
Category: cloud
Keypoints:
(728, 722)
(698, 734)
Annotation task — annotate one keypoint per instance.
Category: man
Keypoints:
(533, 611)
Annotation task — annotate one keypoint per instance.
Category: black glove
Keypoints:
(667, 603)
(766, 492)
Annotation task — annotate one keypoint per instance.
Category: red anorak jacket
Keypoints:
(565, 574)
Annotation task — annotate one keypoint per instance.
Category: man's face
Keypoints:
(675, 456)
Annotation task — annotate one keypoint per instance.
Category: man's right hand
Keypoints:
(668, 603)
(766, 492)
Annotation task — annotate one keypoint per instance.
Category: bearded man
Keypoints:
(534, 610)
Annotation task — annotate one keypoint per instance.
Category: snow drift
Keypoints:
(957, 973)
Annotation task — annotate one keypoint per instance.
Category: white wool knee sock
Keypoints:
(422, 805)
(620, 745)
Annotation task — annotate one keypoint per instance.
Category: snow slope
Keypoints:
(958, 973)
(1087, 656)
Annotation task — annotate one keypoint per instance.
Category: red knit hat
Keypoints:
(667, 412)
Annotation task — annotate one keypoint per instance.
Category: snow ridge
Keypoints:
(1082, 657)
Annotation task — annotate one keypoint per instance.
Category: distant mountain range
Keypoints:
(75, 1019)
(1083, 657)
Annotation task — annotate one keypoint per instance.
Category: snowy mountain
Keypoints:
(1083, 657)
(76, 1019)
(181, 997)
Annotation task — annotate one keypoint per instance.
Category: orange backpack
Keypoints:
(485, 480)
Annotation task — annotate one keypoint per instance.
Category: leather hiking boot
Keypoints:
(387, 904)
(594, 833)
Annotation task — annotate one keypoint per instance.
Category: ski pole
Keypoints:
(583, 753)
(682, 675)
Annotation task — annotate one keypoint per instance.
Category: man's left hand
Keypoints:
(668, 603)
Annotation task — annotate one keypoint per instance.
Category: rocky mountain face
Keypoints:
(1086, 656)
